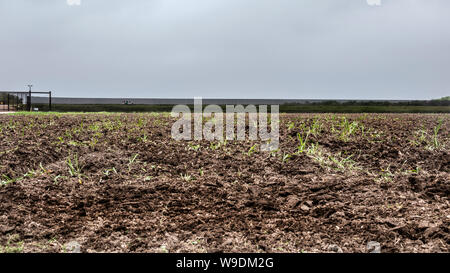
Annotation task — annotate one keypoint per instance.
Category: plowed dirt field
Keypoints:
(120, 183)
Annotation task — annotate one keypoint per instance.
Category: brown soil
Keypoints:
(134, 189)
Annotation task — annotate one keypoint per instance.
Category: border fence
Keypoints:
(21, 100)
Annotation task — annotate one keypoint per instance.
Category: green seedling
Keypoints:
(58, 177)
(286, 157)
(214, 146)
(5, 180)
(435, 134)
(131, 161)
(194, 147)
(109, 171)
(290, 126)
(13, 245)
(187, 177)
(303, 142)
(74, 166)
(252, 150)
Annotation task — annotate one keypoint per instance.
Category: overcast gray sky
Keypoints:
(287, 49)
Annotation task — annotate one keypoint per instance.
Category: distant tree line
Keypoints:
(12, 98)
(438, 102)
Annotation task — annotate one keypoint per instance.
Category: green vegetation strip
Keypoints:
(298, 108)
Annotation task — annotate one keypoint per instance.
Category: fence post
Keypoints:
(50, 101)
(29, 94)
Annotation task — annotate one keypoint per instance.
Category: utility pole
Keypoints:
(29, 97)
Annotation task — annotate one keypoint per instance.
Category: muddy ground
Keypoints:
(119, 183)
